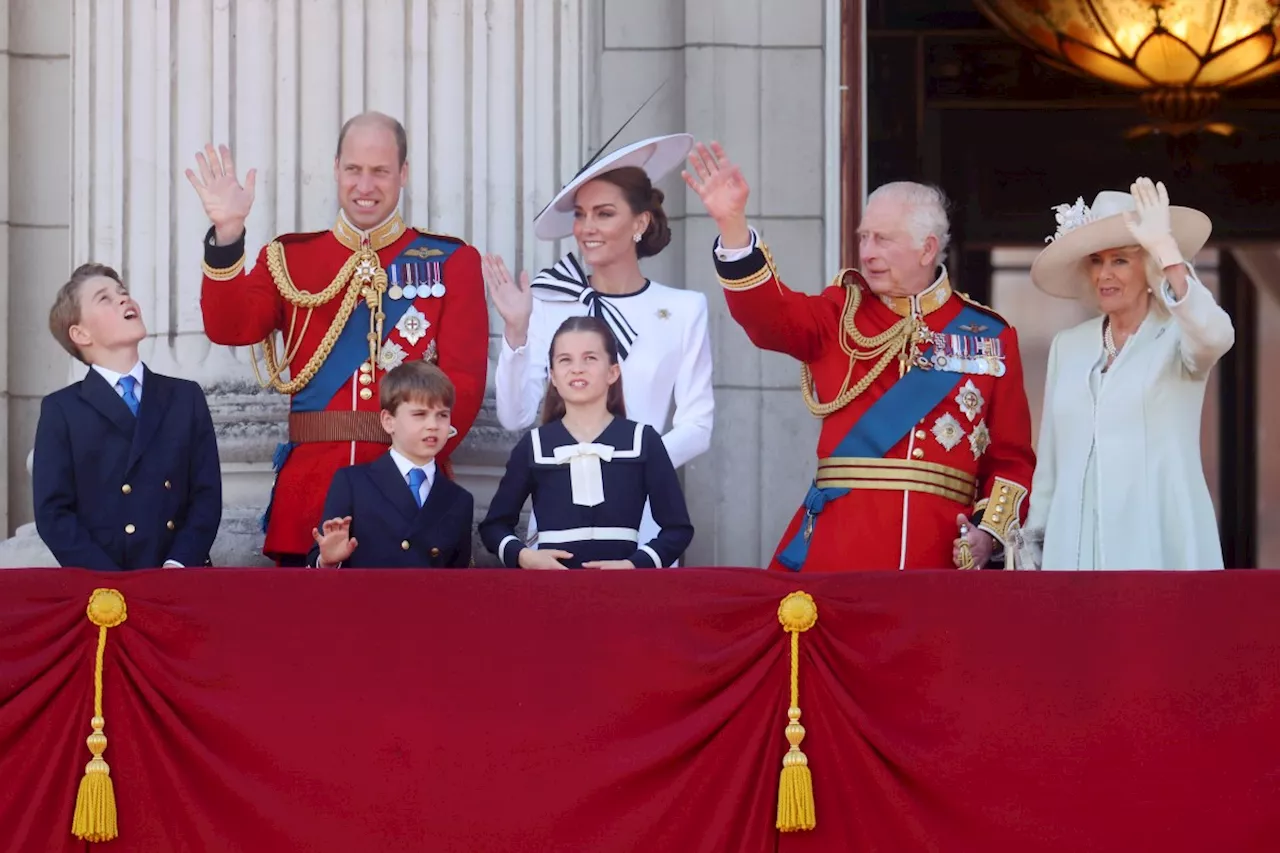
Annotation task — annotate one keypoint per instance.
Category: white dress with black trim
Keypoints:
(589, 497)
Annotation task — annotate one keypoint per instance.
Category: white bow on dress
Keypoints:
(584, 470)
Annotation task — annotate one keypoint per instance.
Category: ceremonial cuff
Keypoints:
(509, 551)
(646, 558)
(745, 272)
(222, 263)
(172, 564)
(1002, 510)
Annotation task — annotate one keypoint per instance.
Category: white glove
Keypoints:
(1150, 224)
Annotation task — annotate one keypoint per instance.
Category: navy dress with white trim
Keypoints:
(589, 497)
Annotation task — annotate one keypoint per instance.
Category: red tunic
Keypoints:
(244, 308)
(984, 436)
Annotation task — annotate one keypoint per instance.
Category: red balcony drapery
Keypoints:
(277, 710)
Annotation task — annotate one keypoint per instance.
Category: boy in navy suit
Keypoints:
(398, 511)
(126, 473)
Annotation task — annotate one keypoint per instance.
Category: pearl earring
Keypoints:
(635, 238)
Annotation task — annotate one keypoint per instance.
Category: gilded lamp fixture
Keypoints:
(1180, 54)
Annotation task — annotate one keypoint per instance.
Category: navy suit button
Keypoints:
(129, 528)
(404, 546)
(435, 552)
(168, 485)
(169, 524)
(126, 489)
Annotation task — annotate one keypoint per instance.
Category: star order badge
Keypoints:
(413, 325)
(970, 400)
(980, 439)
(391, 355)
(948, 431)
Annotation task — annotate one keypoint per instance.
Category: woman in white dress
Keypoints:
(1119, 482)
(615, 214)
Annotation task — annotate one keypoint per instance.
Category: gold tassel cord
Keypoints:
(797, 613)
(95, 815)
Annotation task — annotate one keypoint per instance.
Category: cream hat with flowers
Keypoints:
(1059, 269)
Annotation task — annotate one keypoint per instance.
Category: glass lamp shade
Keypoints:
(1192, 47)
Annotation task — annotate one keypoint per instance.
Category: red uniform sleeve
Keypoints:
(1004, 474)
(774, 316)
(462, 343)
(239, 308)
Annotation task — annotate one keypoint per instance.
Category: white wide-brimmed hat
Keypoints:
(1059, 269)
(657, 156)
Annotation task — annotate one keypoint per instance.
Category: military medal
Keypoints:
(437, 288)
(410, 289)
(395, 291)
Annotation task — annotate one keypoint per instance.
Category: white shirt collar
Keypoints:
(113, 378)
(405, 466)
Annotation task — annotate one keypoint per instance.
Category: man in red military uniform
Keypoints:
(926, 432)
(351, 303)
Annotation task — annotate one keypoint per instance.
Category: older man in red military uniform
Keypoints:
(926, 431)
(352, 303)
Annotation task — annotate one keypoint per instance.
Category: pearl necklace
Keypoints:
(1109, 342)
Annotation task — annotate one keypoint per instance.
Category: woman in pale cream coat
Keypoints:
(1119, 483)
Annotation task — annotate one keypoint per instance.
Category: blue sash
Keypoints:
(352, 346)
(887, 421)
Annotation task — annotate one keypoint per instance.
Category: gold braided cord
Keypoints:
(298, 298)
(896, 341)
(302, 298)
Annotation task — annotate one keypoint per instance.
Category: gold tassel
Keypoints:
(797, 613)
(95, 817)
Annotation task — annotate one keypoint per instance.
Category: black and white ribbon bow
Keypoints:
(567, 282)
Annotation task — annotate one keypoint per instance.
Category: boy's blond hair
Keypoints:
(65, 312)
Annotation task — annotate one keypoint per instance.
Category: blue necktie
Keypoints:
(127, 384)
(416, 478)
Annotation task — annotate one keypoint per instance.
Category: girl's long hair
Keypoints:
(553, 407)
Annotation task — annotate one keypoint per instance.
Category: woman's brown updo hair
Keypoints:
(642, 197)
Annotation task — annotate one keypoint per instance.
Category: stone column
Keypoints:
(749, 73)
(39, 208)
(490, 91)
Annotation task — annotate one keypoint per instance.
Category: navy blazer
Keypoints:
(113, 491)
(390, 530)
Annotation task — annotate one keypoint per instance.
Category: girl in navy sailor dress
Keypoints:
(589, 471)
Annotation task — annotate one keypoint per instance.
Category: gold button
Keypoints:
(365, 394)
(918, 453)
(1004, 490)
(404, 546)
(435, 552)
(129, 528)
(168, 485)
(126, 488)
(1003, 499)
(169, 524)
(366, 379)
(366, 368)
(920, 434)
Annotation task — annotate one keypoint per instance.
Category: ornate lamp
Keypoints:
(1180, 54)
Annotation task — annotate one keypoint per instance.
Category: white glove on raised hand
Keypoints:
(1150, 223)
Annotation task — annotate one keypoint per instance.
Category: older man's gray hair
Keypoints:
(926, 211)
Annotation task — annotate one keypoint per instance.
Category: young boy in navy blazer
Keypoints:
(398, 511)
(126, 473)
